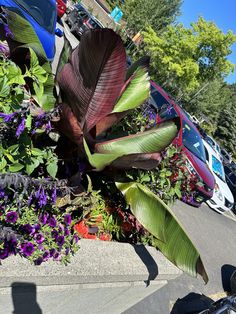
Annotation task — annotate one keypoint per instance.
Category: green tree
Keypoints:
(209, 101)
(158, 14)
(185, 58)
(226, 126)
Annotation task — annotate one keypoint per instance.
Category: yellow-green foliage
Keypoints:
(183, 58)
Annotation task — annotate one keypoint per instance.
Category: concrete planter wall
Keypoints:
(117, 275)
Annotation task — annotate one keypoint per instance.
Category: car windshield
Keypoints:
(43, 12)
(217, 168)
(157, 97)
(193, 142)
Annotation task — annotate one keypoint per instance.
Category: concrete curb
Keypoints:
(97, 262)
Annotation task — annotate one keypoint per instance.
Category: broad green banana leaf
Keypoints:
(160, 221)
(151, 141)
(25, 37)
(135, 93)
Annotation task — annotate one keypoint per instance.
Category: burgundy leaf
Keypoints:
(92, 80)
(140, 161)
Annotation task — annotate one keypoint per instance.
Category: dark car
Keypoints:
(42, 15)
(189, 140)
(80, 20)
(230, 173)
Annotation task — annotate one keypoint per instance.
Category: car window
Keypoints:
(218, 168)
(43, 12)
(206, 153)
(158, 99)
(94, 24)
(193, 142)
(227, 170)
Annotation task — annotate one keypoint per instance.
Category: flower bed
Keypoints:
(71, 167)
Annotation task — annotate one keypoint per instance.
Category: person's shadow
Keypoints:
(24, 297)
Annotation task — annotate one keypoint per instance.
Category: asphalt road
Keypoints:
(213, 234)
(215, 237)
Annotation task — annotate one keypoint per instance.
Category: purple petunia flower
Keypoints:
(52, 252)
(7, 117)
(29, 229)
(52, 222)
(20, 128)
(66, 232)
(75, 238)
(27, 248)
(54, 233)
(4, 253)
(67, 219)
(39, 238)
(54, 195)
(46, 255)
(43, 218)
(60, 240)
(8, 33)
(11, 217)
(38, 261)
(57, 256)
(67, 251)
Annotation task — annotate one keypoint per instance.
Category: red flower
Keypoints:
(81, 228)
(105, 237)
(126, 226)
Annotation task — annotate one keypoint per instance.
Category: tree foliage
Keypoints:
(184, 58)
(157, 14)
(226, 126)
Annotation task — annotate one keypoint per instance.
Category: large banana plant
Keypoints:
(97, 91)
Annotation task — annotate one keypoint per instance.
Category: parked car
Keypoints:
(230, 174)
(222, 199)
(80, 20)
(61, 8)
(227, 158)
(42, 15)
(189, 140)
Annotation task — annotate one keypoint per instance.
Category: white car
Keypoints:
(222, 199)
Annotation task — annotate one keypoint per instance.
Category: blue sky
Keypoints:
(222, 13)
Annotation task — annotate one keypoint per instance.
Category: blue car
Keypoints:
(42, 15)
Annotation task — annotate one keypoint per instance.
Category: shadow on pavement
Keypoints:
(149, 262)
(24, 297)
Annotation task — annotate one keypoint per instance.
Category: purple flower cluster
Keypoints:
(7, 117)
(20, 128)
